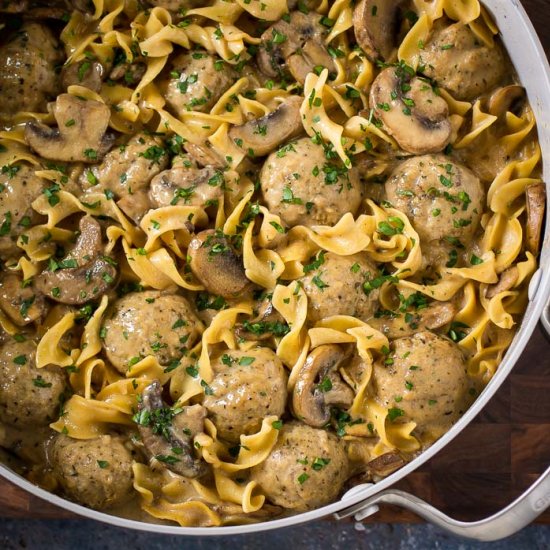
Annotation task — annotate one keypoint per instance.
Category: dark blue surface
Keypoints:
(82, 534)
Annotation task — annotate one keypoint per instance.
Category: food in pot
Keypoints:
(253, 252)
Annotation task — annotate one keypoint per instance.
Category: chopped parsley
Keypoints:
(315, 262)
(159, 420)
(39, 382)
(302, 478)
(395, 413)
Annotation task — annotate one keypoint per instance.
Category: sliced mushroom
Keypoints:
(19, 302)
(508, 278)
(84, 274)
(85, 73)
(301, 38)
(217, 265)
(506, 99)
(386, 464)
(80, 136)
(535, 196)
(132, 73)
(375, 23)
(167, 434)
(260, 136)
(203, 155)
(312, 54)
(182, 185)
(267, 323)
(135, 205)
(411, 111)
(434, 316)
(319, 386)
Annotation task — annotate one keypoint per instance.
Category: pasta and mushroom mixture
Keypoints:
(253, 252)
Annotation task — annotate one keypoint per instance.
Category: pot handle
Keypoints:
(512, 519)
(545, 319)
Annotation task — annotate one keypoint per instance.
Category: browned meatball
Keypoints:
(20, 187)
(304, 188)
(127, 169)
(460, 62)
(94, 472)
(306, 468)
(182, 185)
(28, 396)
(149, 323)
(248, 386)
(335, 286)
(28, 76)
(198, 81)
(423, 380)
(442, 199)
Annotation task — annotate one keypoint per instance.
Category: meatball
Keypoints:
(20, 187)
(442, 199)
(28, 396)
(198, 81)
(248, 386)
(127, 169)
(306, 468)
(149, 323)
(28, 76)
(182, 185)
(424, 380)
(94, 472)
(304, 188)
(461, 63)
(334, 286)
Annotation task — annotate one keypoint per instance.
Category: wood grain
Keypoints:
(492, 462)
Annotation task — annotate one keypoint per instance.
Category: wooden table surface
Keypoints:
(492, 462)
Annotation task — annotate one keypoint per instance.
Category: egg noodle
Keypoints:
(154, 251)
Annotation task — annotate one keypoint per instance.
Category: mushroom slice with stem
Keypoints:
(436, 315)
(136, 205)
(300, 37)
(204, 155)
(260, 136)
(506, 99)
(508, 278)
(535, 196)
(313, 54)
(411, 111)
(319, 386)
(167, 433)
(386, 464)
(217, 265)
(81, 133)
(84, 274)
(84, 73)
(375, 25)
